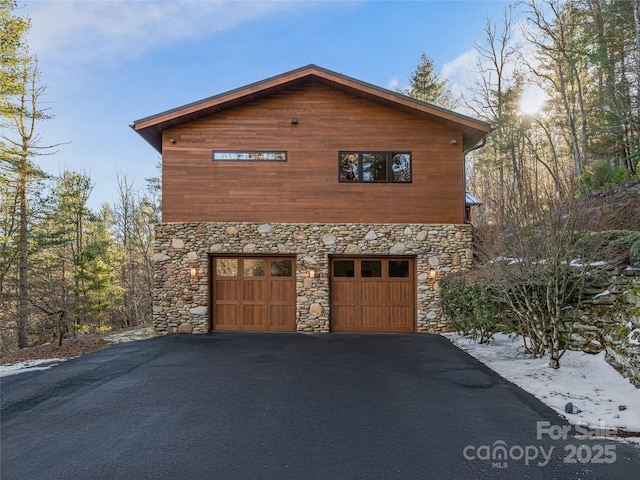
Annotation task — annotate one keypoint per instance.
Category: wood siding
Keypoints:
(306, 187)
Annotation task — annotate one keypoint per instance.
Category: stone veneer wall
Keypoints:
(181, 301)
(610, 319)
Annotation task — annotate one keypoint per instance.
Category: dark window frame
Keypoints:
(249, 152)
(389, 167)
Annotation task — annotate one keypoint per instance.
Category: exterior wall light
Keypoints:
(172, 140)
(313, 272)
(433, 273)
(294, 120)
(194, 271)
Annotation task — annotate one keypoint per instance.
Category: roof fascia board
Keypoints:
(339, 79)
(399, 98)
(221, 98)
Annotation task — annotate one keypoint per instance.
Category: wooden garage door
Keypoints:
(373, 294)
(253, 293)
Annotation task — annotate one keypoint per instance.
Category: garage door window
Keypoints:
(254, 267)
(227, 267)
(398, 269)
(281, 268)
(343, 268)
(371, 269)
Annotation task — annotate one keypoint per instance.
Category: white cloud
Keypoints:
(462, 74)
(86, 31)
(393, 84)
(462, 68)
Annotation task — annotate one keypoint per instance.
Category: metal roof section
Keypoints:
(150, 128)
(469, 199)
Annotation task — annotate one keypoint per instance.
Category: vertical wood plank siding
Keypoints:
(306, 187)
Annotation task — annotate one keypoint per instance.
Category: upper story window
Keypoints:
(249, 156)
(393, 167)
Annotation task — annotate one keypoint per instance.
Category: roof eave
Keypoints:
(150, 128)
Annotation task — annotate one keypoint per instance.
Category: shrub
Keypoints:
(80, 328)
(468, 305)
(603, 175)
(85, 328)
(634, 254)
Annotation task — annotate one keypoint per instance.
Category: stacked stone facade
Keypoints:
(181, 299)
(610, 319)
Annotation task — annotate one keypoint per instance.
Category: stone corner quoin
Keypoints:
(181, 299)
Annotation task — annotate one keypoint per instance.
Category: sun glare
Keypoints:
(532, 100)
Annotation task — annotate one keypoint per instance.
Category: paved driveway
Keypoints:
(279, 406)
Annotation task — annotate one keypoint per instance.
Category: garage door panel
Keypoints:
(281, 292)
(254, 317)
(345, 292)
(227, 290)
(226, 315)
(401, 319)
(373, 293)
(280, 316)
(373, 318)
(254, 291)
(343, 318)
(400, 293)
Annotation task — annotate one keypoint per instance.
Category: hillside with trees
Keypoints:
(561, 214)
(64, 269)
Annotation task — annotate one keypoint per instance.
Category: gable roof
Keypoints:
(151, 128)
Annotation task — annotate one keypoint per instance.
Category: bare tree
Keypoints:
(133, 219)
(538, 267)
(562, 66)
(488, 101)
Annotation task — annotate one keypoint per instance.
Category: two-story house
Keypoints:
(309, 202)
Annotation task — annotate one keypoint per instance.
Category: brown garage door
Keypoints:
(253, 293)
(373, 294)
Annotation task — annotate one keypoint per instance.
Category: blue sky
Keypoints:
(108, 63)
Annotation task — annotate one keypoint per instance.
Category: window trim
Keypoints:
(249, 152)
(389, 157)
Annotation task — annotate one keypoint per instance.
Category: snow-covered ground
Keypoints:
(29, 366)
(604, 397)
(130, 335)
(34, 365)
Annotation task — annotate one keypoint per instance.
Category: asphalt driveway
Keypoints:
(279, 406)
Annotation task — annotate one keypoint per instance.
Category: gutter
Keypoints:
(464, 174)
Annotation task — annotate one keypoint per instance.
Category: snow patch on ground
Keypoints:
(44, 364)
(29, 366)
(130, 335)
(605, 398)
